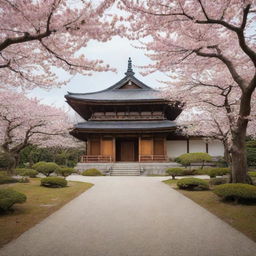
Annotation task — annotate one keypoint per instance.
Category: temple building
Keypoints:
(131, 122)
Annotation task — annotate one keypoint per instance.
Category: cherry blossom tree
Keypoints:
(209, 111)
(38, 37)
(25, 121)
(197, 39)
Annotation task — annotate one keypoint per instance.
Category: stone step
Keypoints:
(125, 174)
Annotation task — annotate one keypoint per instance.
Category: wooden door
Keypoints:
(127, 151)
(159, 146)
(95, 147)
(107, 147)
(146, 147)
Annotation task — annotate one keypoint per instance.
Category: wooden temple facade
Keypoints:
(127, 122)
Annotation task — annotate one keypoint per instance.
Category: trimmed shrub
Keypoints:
(203, 171)
(26, 172)
(213, 172)
(193, 184)
(217, 181)
(9, 197)
(175, 172)
(252, 174)
(189, 158)
(66, 171)
(92, 172)
(46, 168)
(53, 182)
(237, 192)
(7, 180)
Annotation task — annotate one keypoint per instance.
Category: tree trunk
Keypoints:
(239, 155)
(238, 150)
(227, 155)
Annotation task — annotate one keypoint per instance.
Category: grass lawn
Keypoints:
(241, 217)
(41, 202)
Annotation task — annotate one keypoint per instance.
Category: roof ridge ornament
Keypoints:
(129, 69)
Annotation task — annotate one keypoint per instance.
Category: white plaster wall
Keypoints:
(197, 146)
(176, 148)
(215, 148)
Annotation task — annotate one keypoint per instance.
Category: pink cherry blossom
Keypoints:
(210, 42)
(25, 121)
(39, 37)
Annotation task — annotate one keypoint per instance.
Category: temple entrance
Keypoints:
(127, 149)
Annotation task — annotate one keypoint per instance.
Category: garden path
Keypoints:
(131, 216)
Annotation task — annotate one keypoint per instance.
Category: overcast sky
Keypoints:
(115, 53)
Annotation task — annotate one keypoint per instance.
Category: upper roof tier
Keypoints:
(129, 91)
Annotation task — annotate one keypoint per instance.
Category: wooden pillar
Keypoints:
(114, 149)
(165, 148)
(88, 147)
(206, 147)
(101, 144)
(187, 145)
(139, 147)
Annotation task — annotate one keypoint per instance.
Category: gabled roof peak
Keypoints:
(129, 71)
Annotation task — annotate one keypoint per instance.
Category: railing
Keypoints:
(96, 158)
(152, 158)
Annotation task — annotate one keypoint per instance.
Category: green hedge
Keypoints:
(26, 172)
(175, 172)
(213, 172)
(189, 158)
(193, 184)
(236, 192)
(252, 174)
(217, 181)
(54, 182)
(46, 168)
(92, 172)
(7, 180)
(9, 197)
(66, 171)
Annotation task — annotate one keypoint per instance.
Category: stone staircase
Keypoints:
(125, 169)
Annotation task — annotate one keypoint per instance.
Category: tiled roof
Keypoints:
(126, 125)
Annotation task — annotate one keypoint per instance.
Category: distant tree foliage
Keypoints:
(251, 152)
(62, 156)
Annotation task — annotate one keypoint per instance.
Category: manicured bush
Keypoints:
(252, 174)
(46, 168)
(193, 184)
(66, 171)
(92, 172)
(189, 158)
(54, 182)
(7, 179)
(203, 171)
(213, 172)
(238, 192)
(217, 181)
(175, 172)
(9, 197)
(26, 172)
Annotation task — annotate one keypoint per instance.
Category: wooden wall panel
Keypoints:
(107, 147)
(94, 147)
(146, 147)
(159, 146)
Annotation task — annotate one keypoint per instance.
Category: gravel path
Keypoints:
(131, 216)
